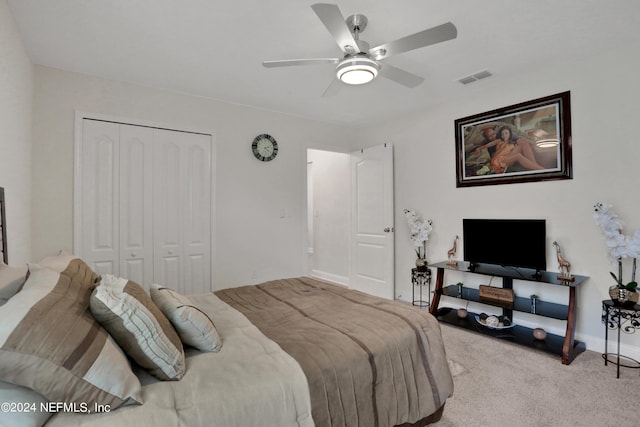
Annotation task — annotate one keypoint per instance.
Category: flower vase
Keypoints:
(622, 295)
(421, 261)
(613, 293)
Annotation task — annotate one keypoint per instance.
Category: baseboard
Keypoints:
(597, 344)
(330, 277)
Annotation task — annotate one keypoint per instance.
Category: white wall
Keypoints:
(331, 179)
(16, 95)
(604, 109)
(252, 243)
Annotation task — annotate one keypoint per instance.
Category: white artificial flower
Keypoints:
(619, 245)
(633, 244)
(418, 228)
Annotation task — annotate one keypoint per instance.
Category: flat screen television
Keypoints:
(505, 242)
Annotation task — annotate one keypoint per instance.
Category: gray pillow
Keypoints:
(192, 324)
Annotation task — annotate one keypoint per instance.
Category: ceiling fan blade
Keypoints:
(424, 38)
(405, 78)
(293, 62)
(333, 88)
(332, 18)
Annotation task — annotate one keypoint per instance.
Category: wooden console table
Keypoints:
(566, 345)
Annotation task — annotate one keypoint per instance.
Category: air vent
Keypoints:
(475, 77)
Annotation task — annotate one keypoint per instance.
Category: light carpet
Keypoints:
(497, 383)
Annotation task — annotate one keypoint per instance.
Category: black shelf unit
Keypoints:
(543, 308)
(565, 346)
(517, 334)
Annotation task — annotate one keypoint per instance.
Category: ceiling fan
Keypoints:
(359, 63)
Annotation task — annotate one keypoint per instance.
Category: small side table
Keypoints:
(625, 318)
(420, 277)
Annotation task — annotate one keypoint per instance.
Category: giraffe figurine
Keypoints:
(451, 253)
(563, 265)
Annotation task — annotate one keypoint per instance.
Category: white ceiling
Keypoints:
(214, 48)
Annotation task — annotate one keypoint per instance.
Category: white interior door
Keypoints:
(182, 205)
(136, 210)
(97, 196)
(372, 234)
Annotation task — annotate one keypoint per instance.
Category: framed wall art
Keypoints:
(530, 141)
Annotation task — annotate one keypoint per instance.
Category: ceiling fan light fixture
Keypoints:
(357, 71)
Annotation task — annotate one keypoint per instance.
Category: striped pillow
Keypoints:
(138, 326)
(192, 324)
(50, 343)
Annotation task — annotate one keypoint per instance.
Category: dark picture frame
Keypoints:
(536, 145)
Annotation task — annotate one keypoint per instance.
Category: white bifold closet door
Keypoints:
(182, 210)
(146, 204)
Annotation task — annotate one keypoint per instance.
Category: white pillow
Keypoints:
(193, 325)
(125, 310)
(18, 395)
(11, 281)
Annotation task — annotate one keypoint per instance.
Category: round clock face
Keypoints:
(264, 147)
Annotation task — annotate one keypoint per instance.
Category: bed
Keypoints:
(293, 352)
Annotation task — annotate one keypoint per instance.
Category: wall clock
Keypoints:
(264, 147)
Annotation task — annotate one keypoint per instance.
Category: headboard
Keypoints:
(3, 230)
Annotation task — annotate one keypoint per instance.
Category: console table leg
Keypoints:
(606, 336)
(433, 308)
(618, 360)
(569, 338)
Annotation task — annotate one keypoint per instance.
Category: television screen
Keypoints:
(505, 242)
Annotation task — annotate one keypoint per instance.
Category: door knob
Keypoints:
(133, 254)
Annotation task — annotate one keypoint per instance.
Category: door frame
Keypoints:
(80, 116)
(305, 213)
(340, 280)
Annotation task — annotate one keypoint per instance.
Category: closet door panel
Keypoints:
(135, 269)
(136, 209)
(170, 271)
(196, 269)
(182, 201)
(99, 187)
(197, 225)
(167, 200)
